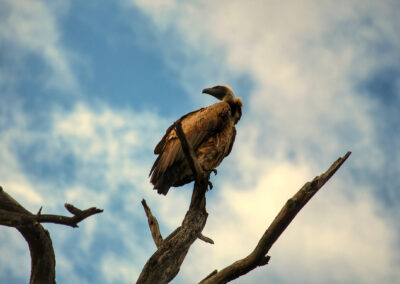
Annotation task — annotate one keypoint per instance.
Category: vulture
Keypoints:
(211, 132)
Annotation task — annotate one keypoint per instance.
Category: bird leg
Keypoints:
(208, 171)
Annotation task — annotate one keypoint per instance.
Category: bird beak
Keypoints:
(219, 92)
(207, 91)
(215, 92)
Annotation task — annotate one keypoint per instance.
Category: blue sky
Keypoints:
(88, 88)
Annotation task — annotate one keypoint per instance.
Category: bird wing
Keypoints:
(232, 141)
(198, 126)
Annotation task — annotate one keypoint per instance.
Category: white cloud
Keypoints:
(117, 270)
(119, 142)
(334, 239)
(303, 100)
(65, 266)
(302, 59)
(112, 154)
(305, 60)
(31, 28)
(19, 264)
(11, 172)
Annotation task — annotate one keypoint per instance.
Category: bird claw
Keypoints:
(207, 170)
(210, 185)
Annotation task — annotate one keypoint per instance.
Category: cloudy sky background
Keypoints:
(87, 88)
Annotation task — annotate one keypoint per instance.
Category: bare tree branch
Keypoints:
(14, 219)
(259, 255)
(153, 224)
(73, 221)
(43, 261)
(165, 263)
(206, 239)
(40, 246)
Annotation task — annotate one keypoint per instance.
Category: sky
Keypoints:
(87, 89)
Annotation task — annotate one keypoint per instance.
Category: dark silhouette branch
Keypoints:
(165, 263)
(43, 262)
(153, 224)
(206, 239)
(289, 211)
(13, 219)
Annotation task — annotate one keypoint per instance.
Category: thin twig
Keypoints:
(78, 216)
(206, 239)
(14, 219)
(153, 224)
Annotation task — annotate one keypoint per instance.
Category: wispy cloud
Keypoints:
(19, 264)
(310, 66)
(30, 28)
(332, 233)
(110, 155)
(306, 61)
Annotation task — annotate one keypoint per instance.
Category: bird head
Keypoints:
(221, 92)
(225, 93)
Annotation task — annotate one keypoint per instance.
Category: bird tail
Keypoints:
(163, 189)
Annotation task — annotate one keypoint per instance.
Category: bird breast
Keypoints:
(214, 149)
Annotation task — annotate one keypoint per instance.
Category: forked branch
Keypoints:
(165, 263)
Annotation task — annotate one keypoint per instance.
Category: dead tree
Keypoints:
(165, 263)
(13, 214)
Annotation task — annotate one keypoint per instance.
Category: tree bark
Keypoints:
(165, 263)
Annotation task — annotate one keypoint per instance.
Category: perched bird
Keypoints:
(211, 132)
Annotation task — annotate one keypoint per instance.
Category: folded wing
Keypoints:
(211, 128)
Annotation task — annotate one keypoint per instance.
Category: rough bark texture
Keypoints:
(40, 246)
(153, 225)
(43, 261)
(165, 263)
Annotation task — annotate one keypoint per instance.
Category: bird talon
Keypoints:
(210, 170)
(210, 185)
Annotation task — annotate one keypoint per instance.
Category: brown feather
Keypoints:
(211, 133)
